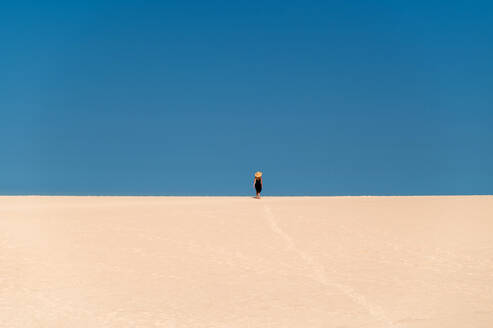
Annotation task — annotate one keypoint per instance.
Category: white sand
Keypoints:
(239, 262)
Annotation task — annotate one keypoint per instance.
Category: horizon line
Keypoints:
(240, 196)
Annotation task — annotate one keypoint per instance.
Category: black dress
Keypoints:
(258, 185)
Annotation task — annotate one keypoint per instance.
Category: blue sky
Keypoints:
(193, 97)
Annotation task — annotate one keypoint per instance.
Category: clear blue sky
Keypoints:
(193, 97)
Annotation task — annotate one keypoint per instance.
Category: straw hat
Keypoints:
(258, 174)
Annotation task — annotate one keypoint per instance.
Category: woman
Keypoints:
(257, 183)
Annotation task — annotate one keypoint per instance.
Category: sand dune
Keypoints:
(239, 262)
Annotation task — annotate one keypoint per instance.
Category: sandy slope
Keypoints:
(240, 262)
